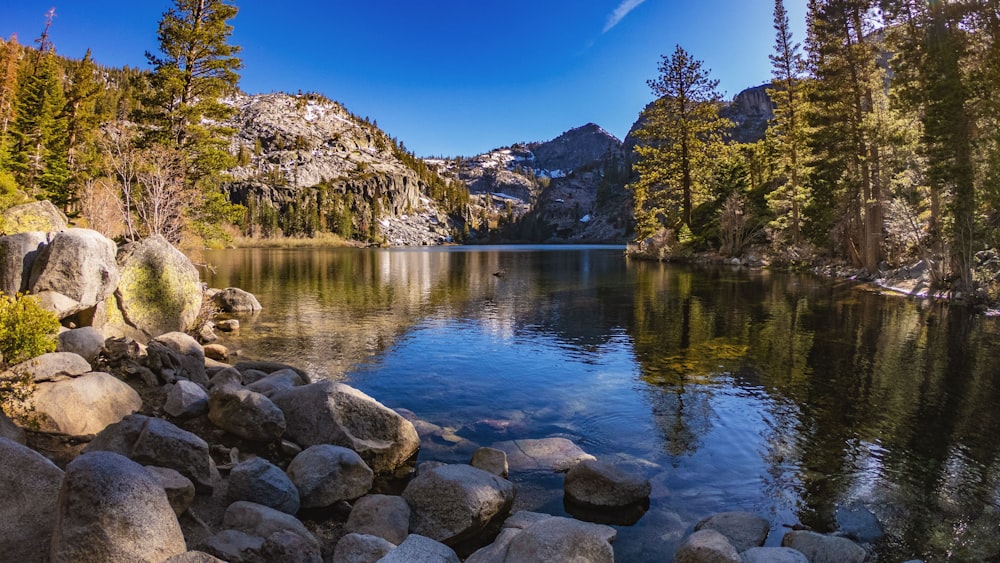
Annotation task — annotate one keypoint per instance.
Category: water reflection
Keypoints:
(784, 395)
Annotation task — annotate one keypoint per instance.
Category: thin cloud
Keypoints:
(620, 12)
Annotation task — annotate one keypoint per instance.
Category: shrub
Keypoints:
(26, 329)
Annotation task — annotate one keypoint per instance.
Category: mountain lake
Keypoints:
(801, 399)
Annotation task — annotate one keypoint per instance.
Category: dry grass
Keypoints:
(321, 240)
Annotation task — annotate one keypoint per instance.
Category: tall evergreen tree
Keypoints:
(83, 89)
(39, 152)
(682, 133)
(788, 128)
(197, 66)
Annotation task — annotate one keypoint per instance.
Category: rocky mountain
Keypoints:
(571, 188)
(750, 110)
(306, 164)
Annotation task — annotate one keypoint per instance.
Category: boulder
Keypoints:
(530, 536)
(154, 441)
(177, 355)
(11, 431)
(228, 325)
(40, 215)
(234, 546)
(235, 300)
(180, 490)
(334, 413)
(773, 555)
(111, 509)
(17, 255)
(857, 523)
(819, 548)
(286, 546)
(325, 474)
(268, 367)
(86, 341)
(84, 405)
(226, 377)
(260, 521)
(490, 460)
(258, 480)
(29, 486)
(420, 549)
(743, 529)
(452, 503)
(706, 546)
(74, 272)
(206, 334)
(361, 548)
(384, 516)
(552, 454)
(52, 366)
(160, 289)
(277, 381)
(598, 483)
(217, 352)
(246, 414)
(186, 399)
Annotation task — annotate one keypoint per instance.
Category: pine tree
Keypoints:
(39, 157)
(196, 68)
(81, 122)
(681, 134)
(788, 127)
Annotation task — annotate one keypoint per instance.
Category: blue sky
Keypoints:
(449, 77)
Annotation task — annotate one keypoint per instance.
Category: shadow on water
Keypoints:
(795, 398)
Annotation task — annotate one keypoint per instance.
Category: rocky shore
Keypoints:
(143, 443)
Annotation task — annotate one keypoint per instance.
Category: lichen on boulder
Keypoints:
(41, 216)
(159, 290)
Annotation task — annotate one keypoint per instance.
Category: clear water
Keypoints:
(784, 395)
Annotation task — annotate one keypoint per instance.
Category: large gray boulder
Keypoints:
(86, 341)
(263, 522)
(29, 487)
(384, 516)
(52, 366)
(177, 355)
(529, 536)
(451, 503)
(180, 490)
(361, 548)
(334, 413)
(186, 399)
(17, 255)
(420, 549)
(235, 300)
(706, 546)
(280, 380)
(551, 454)
(325, 474)
(113, 510)
(160, 290)
(598, 483)
(84, 405)
(743, 529)
(819, 548)
(74, 272)
(246, 414)
(154, 441)
(773, 555)
(35, 216)
(260, 481)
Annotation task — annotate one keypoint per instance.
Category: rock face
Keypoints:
(35, 216)
(153, 441)
(29, 486)
(334, 413)
(750, 111)
(451, 503)
(74, 272)
(160, 289)
(529, 536)
(17, 255)
(84, 405)
(325, 474)
(305, 141)
(106, 504)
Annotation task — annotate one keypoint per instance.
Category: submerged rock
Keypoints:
(598, 483)
(236, 300)
(553, 454)
(743, 529)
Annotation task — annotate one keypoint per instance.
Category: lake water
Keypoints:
(789, 396)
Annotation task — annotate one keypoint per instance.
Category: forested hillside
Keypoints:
(884, 149)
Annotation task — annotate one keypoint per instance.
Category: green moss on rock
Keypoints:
(159, 290)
